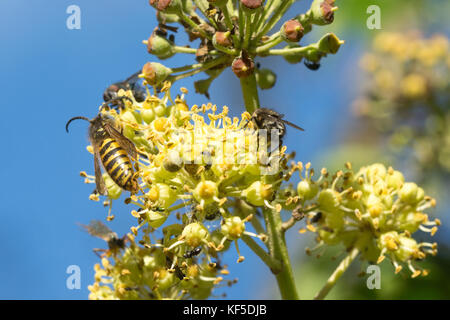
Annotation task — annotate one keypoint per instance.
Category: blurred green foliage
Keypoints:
(362, 146)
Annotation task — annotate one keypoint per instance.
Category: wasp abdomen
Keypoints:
(117, 164)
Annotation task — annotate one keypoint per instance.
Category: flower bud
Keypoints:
(322, 12)
(155, 73)
(222, 39)
(148, 115)
(162, 194)
(252, 4)
(265, 78)
(166, 279)
(257, 193)
(243, 66)
(330, 43)
(233, 227)
(128, 131)
(194, 234)
(389, 240)
(395, 179)
(167, 17)
(156, 218)
(172, 162)
(328, 200)
(292, 31)
(160, 47)
(167, 6)
(408, 193)
(407, 249)
(206, 191)
(114, 191)
(307, 189)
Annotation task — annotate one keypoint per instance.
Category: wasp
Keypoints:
(130, 83)
(268, 119)
(98, 229)
(113, 150)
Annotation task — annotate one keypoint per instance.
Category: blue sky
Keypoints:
(49, 74)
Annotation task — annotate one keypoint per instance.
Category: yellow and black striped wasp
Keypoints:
(112, 150)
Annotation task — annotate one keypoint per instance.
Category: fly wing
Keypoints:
(292, 125)
(133, 78)
(98, 229)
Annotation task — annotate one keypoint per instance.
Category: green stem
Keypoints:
(291, 51)
(278, 250)
(204, 67)
(281, 8)
(250, 93)
(269, 44)
(277, 243)
(179, 49)
(194, 26)
(345, 263)
(273, 264)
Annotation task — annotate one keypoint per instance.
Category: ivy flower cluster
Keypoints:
(209, 183)
(407, 97)
(201, 187)
(375, 212)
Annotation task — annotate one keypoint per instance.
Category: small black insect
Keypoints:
(269, 120)
(98, 229)
(312, 65)
(130, 83)
(316, 217)
(173, 266)
(192, 253)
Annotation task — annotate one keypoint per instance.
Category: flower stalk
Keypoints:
(338, 272)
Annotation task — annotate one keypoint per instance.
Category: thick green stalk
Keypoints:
(250, 93)
(277, 243)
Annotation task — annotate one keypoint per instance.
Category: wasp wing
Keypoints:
(100, 183)
(123, 141)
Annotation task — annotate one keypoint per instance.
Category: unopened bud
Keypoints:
(330, 43)
(222, 39)
(155, 73)
(167, 6)
(160, 47)
(322, 12)
(243, 66)
(252, 4)
(292, 31)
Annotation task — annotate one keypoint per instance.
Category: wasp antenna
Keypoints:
(75, 118)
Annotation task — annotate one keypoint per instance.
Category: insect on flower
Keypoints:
(113, 150)
(192, 253)
(268, 119)
(130, 83)
(98, 229)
